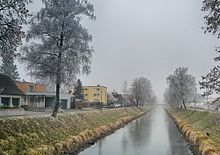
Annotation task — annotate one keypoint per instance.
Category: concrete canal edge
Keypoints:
(67, 133)
(205, 145)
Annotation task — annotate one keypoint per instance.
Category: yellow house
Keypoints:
(95, 94)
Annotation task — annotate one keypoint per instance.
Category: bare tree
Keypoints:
(13, 14)
(181, 85)
(125, 87)
(111, 99)
(211, 82)
(58, 44)
(141, 90)
(125, 92)
(212, 19)
(171, 97)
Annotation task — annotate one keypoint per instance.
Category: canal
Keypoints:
(152, 134)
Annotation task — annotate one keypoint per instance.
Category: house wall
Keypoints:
(12, 100)
(30, 87)
(95, 94)
(37, 96)
(35, 101)
(46, 100)
(65, 98)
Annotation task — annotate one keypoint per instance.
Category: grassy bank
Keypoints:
(200, 128)
(47, 135)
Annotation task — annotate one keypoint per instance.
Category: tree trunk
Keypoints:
(58, 80)
(184, 104)
(57, 103)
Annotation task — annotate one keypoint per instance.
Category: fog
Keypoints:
(145, 38)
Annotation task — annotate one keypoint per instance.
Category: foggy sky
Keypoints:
(149, 38)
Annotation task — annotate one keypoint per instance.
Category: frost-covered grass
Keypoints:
(47, 135)
(202, 128)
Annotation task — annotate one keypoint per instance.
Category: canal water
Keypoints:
(153, 134)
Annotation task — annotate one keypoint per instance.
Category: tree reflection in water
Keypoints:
(153, 134)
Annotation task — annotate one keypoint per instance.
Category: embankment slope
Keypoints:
(67, 132)
(200, 128)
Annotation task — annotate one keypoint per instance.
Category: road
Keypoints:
(153, 134)
(47, 112)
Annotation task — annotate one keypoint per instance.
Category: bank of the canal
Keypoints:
(155, 133)
(201, 128)
(68, 132)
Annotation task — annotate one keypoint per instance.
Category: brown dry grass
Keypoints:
(46, 135)
(198, 138)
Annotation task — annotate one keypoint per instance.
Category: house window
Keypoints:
(97, 89)
(63, 104)
(6, 101)
(32, 99)
(31, 88)
(16, 102)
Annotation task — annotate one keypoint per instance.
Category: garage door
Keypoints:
(49, 102)
(63, 104)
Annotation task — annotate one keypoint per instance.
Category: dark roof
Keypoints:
(8, 87)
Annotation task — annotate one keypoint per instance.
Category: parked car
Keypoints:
(117, 105)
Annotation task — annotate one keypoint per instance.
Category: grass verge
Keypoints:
(200, 128)
(67, 132)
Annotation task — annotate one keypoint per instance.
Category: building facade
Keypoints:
(30, 95)
(43, 100)
(10, 94)
(95, 94)
(36, 96)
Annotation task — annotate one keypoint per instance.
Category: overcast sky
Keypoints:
(149, 38)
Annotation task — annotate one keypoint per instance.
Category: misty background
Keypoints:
(149, 38)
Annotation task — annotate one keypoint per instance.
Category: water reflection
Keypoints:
(152, 134)
(177, 142)
(159, 140)
(100, 146)
(124, 142)
(139, 132)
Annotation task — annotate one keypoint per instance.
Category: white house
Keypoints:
(46, 100)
